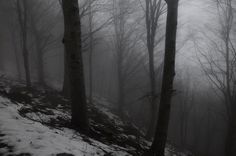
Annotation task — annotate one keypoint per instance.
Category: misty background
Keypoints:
(198, 116)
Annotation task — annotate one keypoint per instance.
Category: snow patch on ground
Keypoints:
(27, 136)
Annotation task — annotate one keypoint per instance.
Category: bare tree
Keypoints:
(153, 11)
(158, 145)
(41, 23)
(91, 40)
(73, 52)
(88, 9)
(120, 17)
(22, 11)
(128, 58)
(218, 61)
(15, 38)
(185, 106)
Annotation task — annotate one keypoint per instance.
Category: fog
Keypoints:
(116, 65)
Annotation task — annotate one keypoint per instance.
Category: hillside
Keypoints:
(36, 122)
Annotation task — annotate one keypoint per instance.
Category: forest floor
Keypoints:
(37, 122)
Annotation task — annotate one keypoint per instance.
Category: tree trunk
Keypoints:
(121, 94)
(153, 118)
(91, 72)
(26, 64)
(66, 82)
(90, 52)
(153, 13)
(40, 67)
(40, 64)
(40, 55)
(153, 104)
(158, 145)
(72, 42)
(23, 25)
(17, 59)
(230, 146)
(17, 65)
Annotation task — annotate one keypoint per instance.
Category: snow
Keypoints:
(27, 136)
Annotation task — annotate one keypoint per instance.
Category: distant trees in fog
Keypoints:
(33, 34)
(153, 11)
(141, 79)
(218, 61)
(23, 18)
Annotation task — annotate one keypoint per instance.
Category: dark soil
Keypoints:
(45, 100)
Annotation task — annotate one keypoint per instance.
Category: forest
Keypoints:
(118, 78)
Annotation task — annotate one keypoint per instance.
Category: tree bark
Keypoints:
(90, 52)
(17, 59)
(158, 145)
(119, 27)
(153, 104)
(17, 64)
(72, 42)
(230, 145)
(39, 53)
(40, 67)
(153, 13)
(121, 90)
(22, 9)
(66, 82)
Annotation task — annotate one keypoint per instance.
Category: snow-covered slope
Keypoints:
(27, 136)
(37, 123)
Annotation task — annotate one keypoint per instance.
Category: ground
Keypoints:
(37, 122)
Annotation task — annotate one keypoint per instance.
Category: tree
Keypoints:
(41, 23)
(185, 106)
(73, 53)
(120, 14)
(127, 55)
(13, 30)
(22, 11)
(154, 10)
(218, 62)
(159, 142)
(91, 44)
(87, 9)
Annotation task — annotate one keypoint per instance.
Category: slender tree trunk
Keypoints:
(90, 53)
(153, 104)
(40, 67)
(17, 59)
(22, 9)
(230, 145)
(72, 42)
(121, 94)
(158, 145)
(26, 64)
(40, 64)
(40, 55)
(17, 65)
(66, 82)
(153, 13)
(91, 73)
(119, 26)
(182, 131)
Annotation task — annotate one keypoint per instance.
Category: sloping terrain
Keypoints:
(37, 122)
